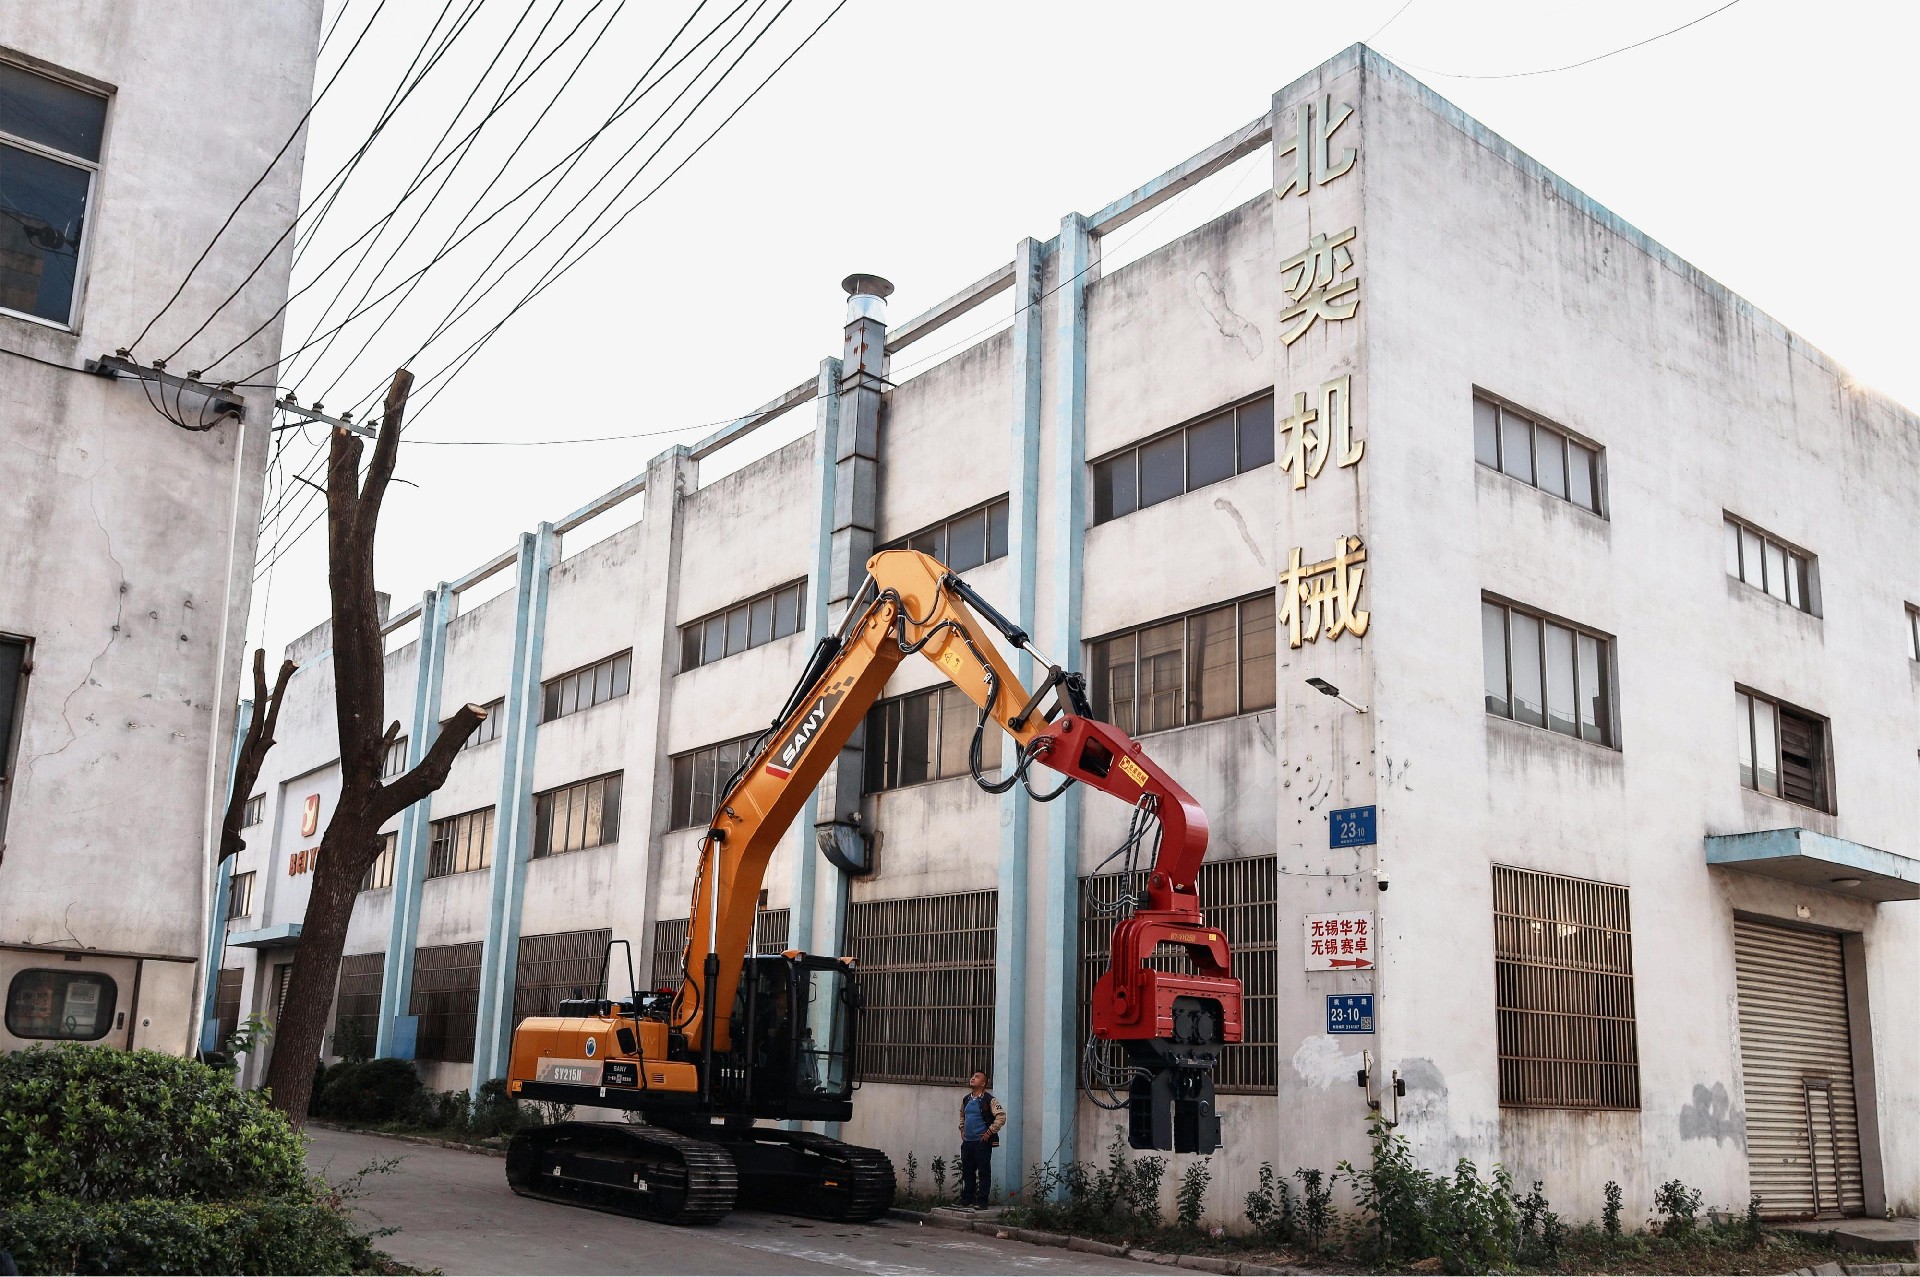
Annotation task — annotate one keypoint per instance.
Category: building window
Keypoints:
(585, 688)
(1546, 673)
(50, 136)
(1769, 565)
(240, 896)
(490, 726)
(700, 776)
(760, 619)
(927, 975)
(394, 760)
(770, 927)
(565, 964)
(1913, 632)
(60, 1006)
(1563, 973)
(461, 843)
(380, 872)
(1189, 669)
(14, 665)
(966, 540)
(926, 735)
(1239, 897)
(446, 997)
(253, 812)
(1230, 441)
(226, 1004)
(1530, 450)
(577, 816)
(1783, 751)
(356, 1012)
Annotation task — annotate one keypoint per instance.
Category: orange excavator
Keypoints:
(750, 1038)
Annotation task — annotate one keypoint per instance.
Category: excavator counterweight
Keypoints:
(748, 1037)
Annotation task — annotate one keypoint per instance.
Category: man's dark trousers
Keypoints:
(976, 1172)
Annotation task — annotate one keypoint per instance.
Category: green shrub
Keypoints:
(1408, 1214)
(1192, 1195)
(1680, 1205)
(376, 1091)
(1271, 1209)
(299, 1234)
(1121, 1198)
(81, 1122)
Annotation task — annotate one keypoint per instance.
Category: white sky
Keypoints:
(1772, 145)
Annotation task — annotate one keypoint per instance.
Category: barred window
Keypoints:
(240, 895)
(461, 843)
(1547, 674)
(380, 872)
(927, 972)
(573, 817)
(670, 943)
(586, 687)
(698, 778)
(394, 760)
(926, 735)
(564, 964)
(1188, 669)
(750, 623)
(356, 1012)
(446, 997)
(254, 812)
(1241, 898)
(1537, 454)
(490, 726)
(1783, 751)
(1230, 441)
(1767, 564)
(964, 541)
(1563, 968)
(226, 1002)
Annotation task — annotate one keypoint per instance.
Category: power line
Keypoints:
(1598, 57)
(1389, 22)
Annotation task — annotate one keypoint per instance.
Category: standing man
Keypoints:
(981, 1117)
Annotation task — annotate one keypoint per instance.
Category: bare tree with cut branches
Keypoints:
(352, 841)
(253, 750)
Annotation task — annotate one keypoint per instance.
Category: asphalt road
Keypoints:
(456, 1213)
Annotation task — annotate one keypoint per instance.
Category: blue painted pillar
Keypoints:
(410, 850)
(1059, 1100)
(826, 433)
(1023, 530)
(513, 821)
(222, 880)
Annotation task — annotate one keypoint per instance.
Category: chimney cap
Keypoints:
(867, 286)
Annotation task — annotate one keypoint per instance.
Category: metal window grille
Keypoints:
(461, 843)
(749, 623)
(380, 872)
(670, 944)
(1226, 442)
(226, 1001)
(964, 541)
(356, 1011)
(1563, 969)
(584, 688)
(240, 895)
(446, 997)
(577, 816)
(1241, 898)
(927, 971)
(559, 965)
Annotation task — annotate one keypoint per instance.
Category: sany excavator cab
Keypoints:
(751, 1036)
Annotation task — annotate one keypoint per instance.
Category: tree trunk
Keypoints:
(253, 750)
(348, 848)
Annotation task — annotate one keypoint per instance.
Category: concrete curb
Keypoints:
(1088, 1245)
(427, 1140)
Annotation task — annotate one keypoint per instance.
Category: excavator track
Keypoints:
(800, 1173)
(642, 1171)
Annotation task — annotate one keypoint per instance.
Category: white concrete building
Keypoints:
(126, 541)
(1615, 580)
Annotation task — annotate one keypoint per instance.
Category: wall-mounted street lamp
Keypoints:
(1325, 688)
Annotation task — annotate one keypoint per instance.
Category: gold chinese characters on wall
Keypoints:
(1324, 598)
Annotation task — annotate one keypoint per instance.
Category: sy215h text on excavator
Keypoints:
(752, 1037)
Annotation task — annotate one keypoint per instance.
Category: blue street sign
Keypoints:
(1349, 1013)
(1352, 827)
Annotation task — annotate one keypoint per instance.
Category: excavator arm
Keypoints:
(1170, 1024)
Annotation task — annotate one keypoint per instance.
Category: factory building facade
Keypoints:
(1534, 619)
(128, 520)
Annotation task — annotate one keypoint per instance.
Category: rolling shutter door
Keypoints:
(1803, 1133)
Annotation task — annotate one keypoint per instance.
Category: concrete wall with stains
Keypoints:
(126, 543)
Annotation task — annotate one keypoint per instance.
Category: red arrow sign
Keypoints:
(1349, 962)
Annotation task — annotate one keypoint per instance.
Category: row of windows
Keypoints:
(926, 735)
(1546, 674)
(584, 688)
(461, 843)
(1190, 669)
(1231, 441)
(577, 817)
(491, 726)
(1766, 564)
(698, 779)
(760, 619)
(240, 895)
(1783, 752)
(1536, 453)
(966, 540)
